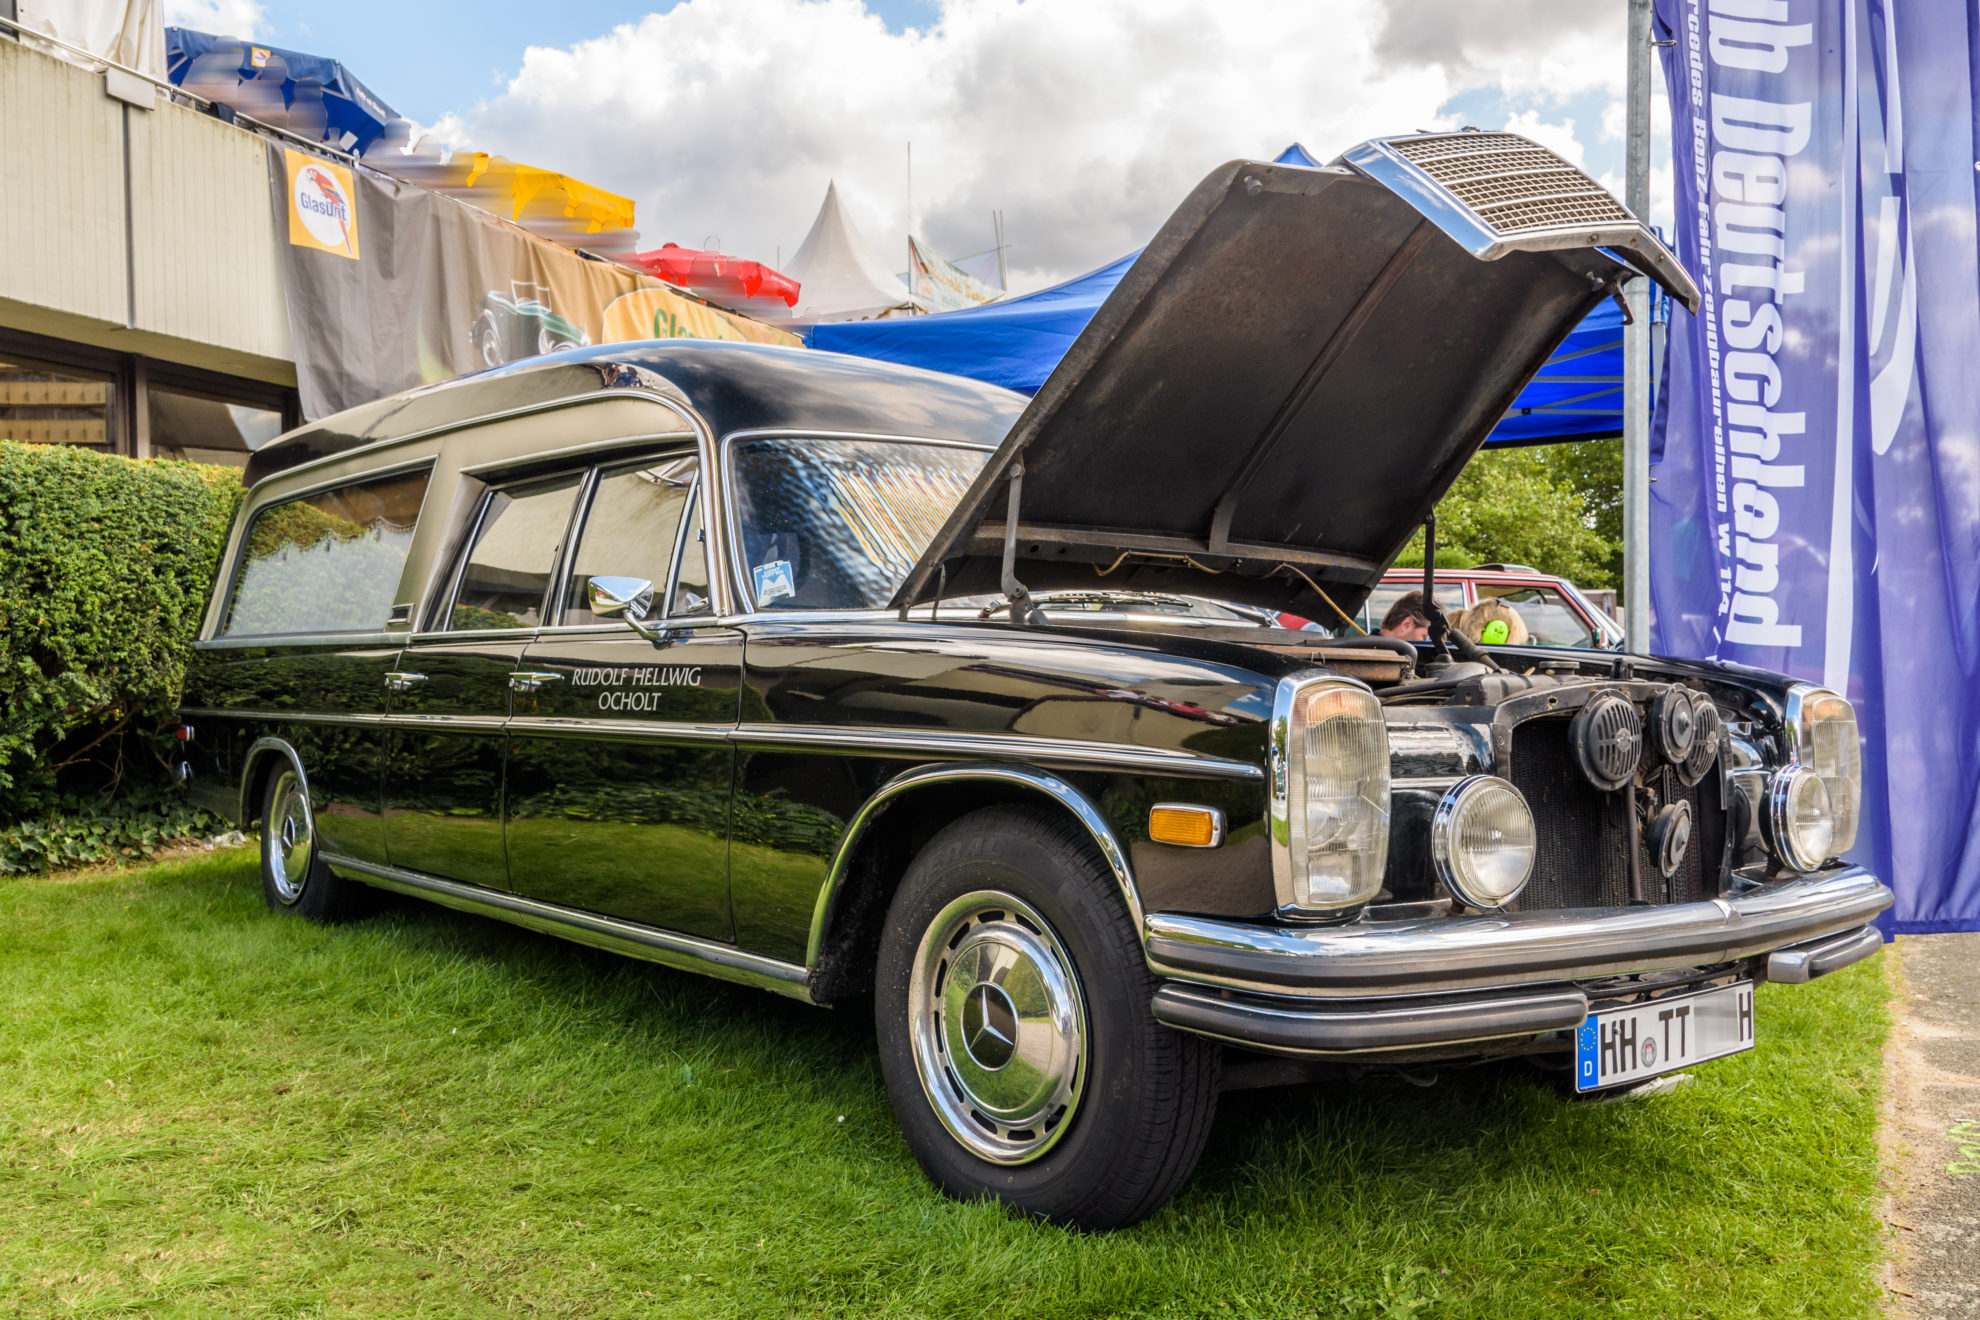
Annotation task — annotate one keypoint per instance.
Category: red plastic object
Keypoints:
(716, 276)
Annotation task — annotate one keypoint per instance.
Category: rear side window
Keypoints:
(631, 530)
(326, 563)
(508, 568)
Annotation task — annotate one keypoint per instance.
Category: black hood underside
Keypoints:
(1282, 387)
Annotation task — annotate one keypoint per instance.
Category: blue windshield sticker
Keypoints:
(773, 581)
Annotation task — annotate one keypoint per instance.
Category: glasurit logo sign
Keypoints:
(322, 213)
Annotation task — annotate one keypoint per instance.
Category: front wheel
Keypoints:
(1012, 1007)
(294, 876)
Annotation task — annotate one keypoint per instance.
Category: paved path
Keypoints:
(1932, 1132)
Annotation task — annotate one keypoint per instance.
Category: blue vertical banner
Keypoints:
(1816, 462)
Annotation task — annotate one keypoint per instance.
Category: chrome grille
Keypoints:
(1512, 184)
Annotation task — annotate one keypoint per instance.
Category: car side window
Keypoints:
(508, 567)
(632, 529)
(1548, 616)
(325, 563)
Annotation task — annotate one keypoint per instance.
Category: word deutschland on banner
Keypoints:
(1741, 161)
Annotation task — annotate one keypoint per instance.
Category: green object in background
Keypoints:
(436, 1114)
(105, 565)
(1495, 633)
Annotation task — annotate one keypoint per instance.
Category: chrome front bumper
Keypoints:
(1383, 986)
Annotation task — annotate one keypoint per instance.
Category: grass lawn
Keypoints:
(208, 1110)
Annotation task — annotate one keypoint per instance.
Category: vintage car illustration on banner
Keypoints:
(519, 324)
(867, 685)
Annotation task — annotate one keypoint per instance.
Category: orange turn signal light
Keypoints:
(1185, 826)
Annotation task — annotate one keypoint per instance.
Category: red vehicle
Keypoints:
(1556, 612)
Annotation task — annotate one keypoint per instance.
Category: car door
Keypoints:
(1550, 617)
(450, 692)
(620, 762)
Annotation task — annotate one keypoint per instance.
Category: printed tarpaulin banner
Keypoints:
(1816, 506)
(391, 285)
(943, 285)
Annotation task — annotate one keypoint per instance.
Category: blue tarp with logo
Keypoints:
(308, 94)
(1016, 343)
(1816, 506)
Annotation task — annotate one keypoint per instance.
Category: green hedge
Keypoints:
(105, 565)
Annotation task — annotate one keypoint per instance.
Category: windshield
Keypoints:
(837, 524)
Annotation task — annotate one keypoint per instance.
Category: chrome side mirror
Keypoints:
(627, 598)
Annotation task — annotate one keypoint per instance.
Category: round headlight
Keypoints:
(1802, 817)
(1483, 841)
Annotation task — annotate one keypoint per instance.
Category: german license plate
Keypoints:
(1621, 1045)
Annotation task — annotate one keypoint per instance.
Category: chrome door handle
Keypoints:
(529, 680)
(399, 681)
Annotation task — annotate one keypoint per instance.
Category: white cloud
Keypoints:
(227, 18)
(1085, 121)
(1557, 138)
(1541, 49)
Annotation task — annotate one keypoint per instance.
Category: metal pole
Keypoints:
(1636, 348)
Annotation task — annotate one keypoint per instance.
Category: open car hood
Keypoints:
(1293, 373)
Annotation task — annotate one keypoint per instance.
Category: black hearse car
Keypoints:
(681, 650)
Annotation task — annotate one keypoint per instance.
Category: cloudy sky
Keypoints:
(1084, 121)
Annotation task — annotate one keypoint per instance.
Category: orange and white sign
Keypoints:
(322, 205)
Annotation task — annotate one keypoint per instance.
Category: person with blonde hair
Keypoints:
(1492, 622)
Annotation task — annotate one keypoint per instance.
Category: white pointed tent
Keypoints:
(839, 276)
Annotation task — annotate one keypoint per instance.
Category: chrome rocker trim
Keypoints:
(1516, 948)
(685, 952)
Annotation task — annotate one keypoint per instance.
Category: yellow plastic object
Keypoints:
(518, 192)
(1185, 826)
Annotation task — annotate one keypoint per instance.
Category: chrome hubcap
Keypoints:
(292, 840)
(999, 1027)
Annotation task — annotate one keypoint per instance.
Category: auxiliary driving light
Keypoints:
(1801, 818)
(1483, 841)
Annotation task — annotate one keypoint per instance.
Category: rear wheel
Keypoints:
(294, 877)
(1012, 1007)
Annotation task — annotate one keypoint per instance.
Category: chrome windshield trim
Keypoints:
(1016, 747)
(922, 776)
(1514, 948)
(686, 952)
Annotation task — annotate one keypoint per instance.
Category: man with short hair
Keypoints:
(1406, 620)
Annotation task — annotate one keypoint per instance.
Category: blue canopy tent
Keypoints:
(1016, 342)
(319, 97)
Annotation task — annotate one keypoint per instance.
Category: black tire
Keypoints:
(1142, 1097)
(294, 877)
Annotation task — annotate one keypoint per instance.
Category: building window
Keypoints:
(201, 427)
(45, 404)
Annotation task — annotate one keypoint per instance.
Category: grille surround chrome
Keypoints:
(1512, 184)
(1496, 193)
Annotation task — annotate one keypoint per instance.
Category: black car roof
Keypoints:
(732, 386)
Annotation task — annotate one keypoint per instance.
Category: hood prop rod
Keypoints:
(1014, 590)
(1440, 626)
